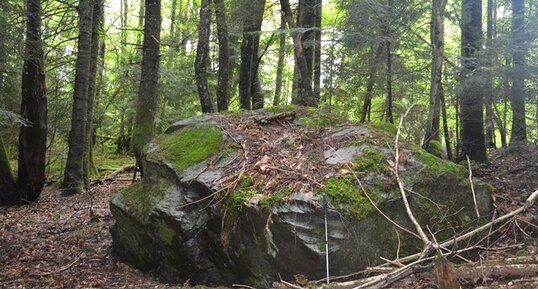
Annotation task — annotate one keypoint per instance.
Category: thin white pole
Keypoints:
(325, 204)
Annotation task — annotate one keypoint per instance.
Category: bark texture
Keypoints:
(471, 97)
(517, 99)
(202, 54)
(436, 85)
(73, 176)
(88, 167)
(146, 103)
(33, 137)
(249, 56)
(224, 56)
(280, 63)
(307, 98)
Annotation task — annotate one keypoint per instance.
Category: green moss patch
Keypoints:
(438, 165)
(436, 148)
(190, 146)
(142, 200)
(384, 126)
(345, 194)
(371, 160)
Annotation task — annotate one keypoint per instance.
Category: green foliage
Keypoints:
(189, 146)
(385, 126)
(345, 195)
(316, 118)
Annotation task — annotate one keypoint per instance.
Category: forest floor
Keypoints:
(64, 242)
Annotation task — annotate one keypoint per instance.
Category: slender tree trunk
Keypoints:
(33, 138)
(224, 56)
(306, 83)
(390, 117)
(500, 125)
(490, 96)
(519, 49)
(146, 102)
(92, 88)
(367, 102)
(317, 53)
(74, 176)
(436, 86)
(249, 57)
(471, 97)
(280, 63)
(173, 21)
(388, 35)
(202, 54)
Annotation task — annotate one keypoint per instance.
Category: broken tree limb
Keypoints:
(272, 118)
(501, 270)
(423, 237)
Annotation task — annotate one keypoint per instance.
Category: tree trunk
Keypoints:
(308, 98)
(8, 191)
(280, 63)
(92, 88)
(519, 49)
(388, 36)
(471, 97)
(33, 137)
(146, 102)
(490, 96)
(202, 54)
(436, 85)
(74, 176)
(308, 23)
(249, 56)
(367, 102)
(390, 117)
(317, 53)
(224, 57)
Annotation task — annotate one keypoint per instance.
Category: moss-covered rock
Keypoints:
(225, 200)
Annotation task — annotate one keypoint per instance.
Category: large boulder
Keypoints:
(238, 199)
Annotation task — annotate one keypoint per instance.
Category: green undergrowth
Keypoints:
(189, 146)
(142, 199)
(384, 126)
(282, 108)
(345, 194)
(318, 118)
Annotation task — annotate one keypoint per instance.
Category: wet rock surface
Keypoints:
(247, 206)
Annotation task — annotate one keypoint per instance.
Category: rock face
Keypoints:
(226, 201)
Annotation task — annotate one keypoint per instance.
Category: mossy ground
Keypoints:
(189, 146)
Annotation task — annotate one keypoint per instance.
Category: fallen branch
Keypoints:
(272, 118)
(488, 271)
(472, 186)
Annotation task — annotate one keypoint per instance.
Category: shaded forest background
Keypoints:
(122, 68)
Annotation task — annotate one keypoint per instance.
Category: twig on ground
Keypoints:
(472, 186)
